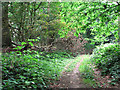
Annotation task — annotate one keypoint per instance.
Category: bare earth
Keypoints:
(71, 79)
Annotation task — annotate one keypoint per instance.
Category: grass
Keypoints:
(73, 64)
(86, 71)
(89, 82)
(85, 68)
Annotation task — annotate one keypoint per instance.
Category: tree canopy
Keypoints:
(39, 39)
(96, 21)
(100, 17)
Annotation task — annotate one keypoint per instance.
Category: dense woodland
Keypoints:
(40, 38)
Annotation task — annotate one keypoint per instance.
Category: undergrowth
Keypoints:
(36, 70)
(107, 58)
(86, 71)
(72, 66)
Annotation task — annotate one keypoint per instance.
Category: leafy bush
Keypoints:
(72, 43)
(86, 69)
(36, 70)
(107, 58)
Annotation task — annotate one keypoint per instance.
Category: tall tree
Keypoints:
(6, 39)
(37, 19)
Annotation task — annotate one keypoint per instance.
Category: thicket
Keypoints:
(36, 70)
(107, 58)
(74, 44)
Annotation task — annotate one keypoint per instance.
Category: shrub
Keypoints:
(36, 70)
(107, 58)
(86, 71)
(72, 43)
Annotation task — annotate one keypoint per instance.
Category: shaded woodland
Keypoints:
(40, 38)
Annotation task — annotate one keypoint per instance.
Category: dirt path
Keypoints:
(71, 79)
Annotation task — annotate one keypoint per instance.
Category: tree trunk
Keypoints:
(6, 39)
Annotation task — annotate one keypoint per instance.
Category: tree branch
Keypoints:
(118, 3)
(38, 6)
(98, 16)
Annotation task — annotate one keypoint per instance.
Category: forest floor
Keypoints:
(71, 79)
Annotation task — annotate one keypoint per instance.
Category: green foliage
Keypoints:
(36, 70)
(100, 17)
(36, 19)
(23, 43)
(86, 71)
(89, 82)
(31, 43)
(18, 47)
(107, 58)
(86, 68)
(73, 64)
